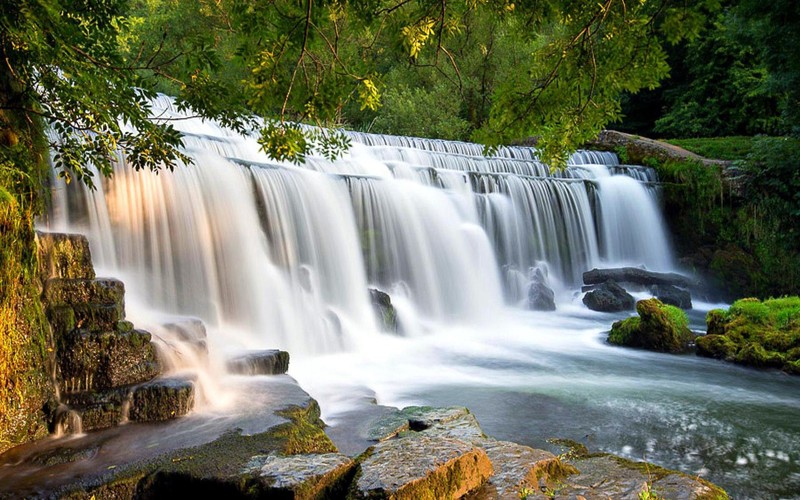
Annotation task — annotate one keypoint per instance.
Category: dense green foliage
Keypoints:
(741, 77)
(740, 232)
(763, 334)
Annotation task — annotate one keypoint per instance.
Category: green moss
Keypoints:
(755, 333)
(721, 148)
(623, 331)
(659, 327)
(305, 434)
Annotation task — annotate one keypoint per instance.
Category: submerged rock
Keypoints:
(422, 466)
(673, 296)
(659, 327)
(540, 296)
(609, 297)
(384, 310)
(268, 362)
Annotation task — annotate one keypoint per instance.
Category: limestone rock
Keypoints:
(305, 476)
(416, 418)
(419, 466)
(64, 256)
(268, 362)
(609, 297)
(384, 310)
(673, 296)
(102, 360)
(162, 399)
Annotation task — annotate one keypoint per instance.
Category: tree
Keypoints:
(89, 68)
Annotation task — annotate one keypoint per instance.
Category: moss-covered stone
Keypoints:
(25, 341)
(64, 255)
(755, 333)
(162, 399)
(267, 362)
(98, 304)
(103, 360)
(659, 327)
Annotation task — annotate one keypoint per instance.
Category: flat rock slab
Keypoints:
(304, 476)
(607, 476)
(419, 466)
(267, 362)
(516, 467)
(416, 418)
(637, 276)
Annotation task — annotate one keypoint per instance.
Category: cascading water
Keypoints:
(273, 255)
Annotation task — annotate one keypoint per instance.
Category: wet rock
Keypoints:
(268, 362)
(540, 296)
(659, 327)
(384, 310)
(102, 360)
(304, 476)
(416, 418)
(638, 276)
(162, 399)
(608, 476)
(673, 296)
(190, 332)
(97, 304)
(609, 297)
(517, 468)
(64, 256)
(421, 466)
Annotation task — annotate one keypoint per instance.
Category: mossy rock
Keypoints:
(103, 360)
(755, 333)
(64, 256)
(659, 327)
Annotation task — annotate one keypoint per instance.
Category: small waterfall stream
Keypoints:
(272, 255)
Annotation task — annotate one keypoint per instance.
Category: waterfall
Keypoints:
(279, 255)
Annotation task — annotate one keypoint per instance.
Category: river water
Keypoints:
(272, 255)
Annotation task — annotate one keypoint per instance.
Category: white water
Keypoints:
(272, 255)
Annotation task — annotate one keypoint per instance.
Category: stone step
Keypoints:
(305, 476)
(97, 304)
(104, 360)
(267, 362)
(157, 400)
(418, 465)
(64, 255)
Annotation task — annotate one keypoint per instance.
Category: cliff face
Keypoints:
(26, 345)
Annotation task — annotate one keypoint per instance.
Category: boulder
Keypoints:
(306, 476)
(673, 296)
(384, 310)
(103, 360)
(637, 276)
(268, 362)
(659, 327)
(421, 466)
(609, 297)
(517, 468)
(540, 296)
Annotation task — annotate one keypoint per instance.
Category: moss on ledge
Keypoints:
(755, 333)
